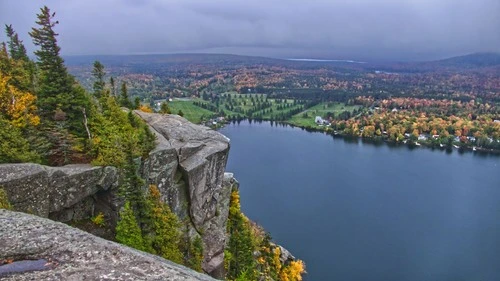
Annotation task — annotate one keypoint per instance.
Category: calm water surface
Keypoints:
(360, 212)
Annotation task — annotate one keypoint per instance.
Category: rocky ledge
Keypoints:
(188, 166)
(41, 249)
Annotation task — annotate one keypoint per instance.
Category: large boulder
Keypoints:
(60, 252)
(43, 190)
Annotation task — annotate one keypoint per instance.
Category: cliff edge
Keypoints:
(42, 249)
(188, 167)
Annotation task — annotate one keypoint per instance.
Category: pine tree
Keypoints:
(16, 46)
(113, 86)
(19, 66)
(137, 103)
(99, 84)
(240, 245)
(124, 99)
(55, 83)
(57, 90)
(132, 189)
(128, 231)
(165, 225)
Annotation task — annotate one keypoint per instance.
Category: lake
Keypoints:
(357, 211)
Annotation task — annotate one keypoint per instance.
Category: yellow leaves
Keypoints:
(145, 108)
(293, 272)
(19, 107)
(154, 192)
(276, 258)
(99, 220)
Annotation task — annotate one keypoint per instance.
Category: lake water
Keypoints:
(357, 212)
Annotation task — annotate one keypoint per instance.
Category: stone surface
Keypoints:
(76, 255)
(201, 156)
(187, 165)
(42, 190)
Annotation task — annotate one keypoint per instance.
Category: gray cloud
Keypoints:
(357, 29)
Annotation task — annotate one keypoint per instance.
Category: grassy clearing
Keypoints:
(191, 112)
(319, 110)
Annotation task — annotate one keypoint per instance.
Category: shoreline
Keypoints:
(379, 140)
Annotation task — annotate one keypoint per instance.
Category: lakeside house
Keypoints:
(422, 137)
(320, 121)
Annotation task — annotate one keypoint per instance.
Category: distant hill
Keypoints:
(472, 60)
(159, 59)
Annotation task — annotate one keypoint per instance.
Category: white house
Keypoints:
(422, 137)
(318, 120)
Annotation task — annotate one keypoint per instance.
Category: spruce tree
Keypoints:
(128, 231)
(55, 84)
(99, 84)
(124, 100)
(240, 244)
(16, 46)
(19, 65)
(137, 103)
(113, 86)
(165, 225)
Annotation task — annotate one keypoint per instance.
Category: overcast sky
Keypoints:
(330, 29)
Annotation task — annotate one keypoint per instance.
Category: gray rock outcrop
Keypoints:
(187, 165)
(72, 254)
(195, 187)
(45, 191)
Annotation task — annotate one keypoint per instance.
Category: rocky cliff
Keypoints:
(47, 250)
(187, 165)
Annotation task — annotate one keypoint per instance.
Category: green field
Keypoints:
(243, 102)
(191, 112)
(319, 110)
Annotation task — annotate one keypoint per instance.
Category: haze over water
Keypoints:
(358, 212)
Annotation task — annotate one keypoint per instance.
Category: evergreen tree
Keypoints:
(16, 46)
(128, 231)
(19, 66)
(192, 249)
(14, 148)
(137, 103)
(113, 86)
(164, 109)
(180, 113)
(240, 245)
(99, 84)
(124, 99)
(194, 256)
(165, 225)
(133, 186)
(55, 88)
